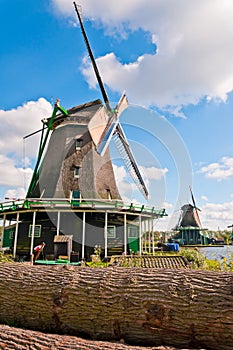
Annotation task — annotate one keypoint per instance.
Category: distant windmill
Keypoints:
(77, 159)
(189, 224)
(189, 214)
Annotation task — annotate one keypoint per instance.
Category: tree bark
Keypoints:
(173, 307)
(12, 338)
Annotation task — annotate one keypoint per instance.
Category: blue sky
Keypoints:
(173, 58)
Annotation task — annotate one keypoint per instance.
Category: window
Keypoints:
(78, 144)
(76, 195)
(76, 171)
(132, 232)
(111, 231)
(37, 231)
(109, 197)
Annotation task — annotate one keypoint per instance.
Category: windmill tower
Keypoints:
(72, 166)
(189, 226)
(73, 203)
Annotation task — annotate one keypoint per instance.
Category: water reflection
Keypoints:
(217, 252)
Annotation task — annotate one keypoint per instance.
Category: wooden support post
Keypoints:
(106, 235)
(83, 237)
(58, 222)
(153, 237)
(125, 235)
(32, 237)
(149, 236)
(140, 234)
(16, 235)
(3, 227)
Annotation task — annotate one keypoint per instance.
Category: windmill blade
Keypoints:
(128, 158)
(113, 121)
(193, 200)
(196, 216)
(98, 77)
(107, 135)
(122, 104)
(112, 124)
(98, 124)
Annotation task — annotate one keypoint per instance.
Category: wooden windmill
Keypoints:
(73, 203)
(77, 161)
(189, 226)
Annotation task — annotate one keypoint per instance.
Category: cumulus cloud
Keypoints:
(153, 173)
(18, 193)
(124, 183)
(13, 176)
(127, 188)
(15, 156)
(193, 56)
(217, 215)
(18, 122)
(219, 171)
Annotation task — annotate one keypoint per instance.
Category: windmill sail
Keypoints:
(112, 124)
(98, 77)
(129, 161)
(98, 124)
(112, 127)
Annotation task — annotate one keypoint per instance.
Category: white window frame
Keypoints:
(135, 229)
(111, 234)
(77, 171)
(78, 144)
(109, 194)
(37, 232)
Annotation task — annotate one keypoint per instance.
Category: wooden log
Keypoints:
(173, 307)
(12, 338)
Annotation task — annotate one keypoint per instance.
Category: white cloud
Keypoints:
(219, 171)
(124, 184)
(204, 198)
(167, 205)
(153, 173)
(18, 193)
(12, 176)
(19, 122)
(217, 215)
(15, 155)
(194, 53)
(128, 188)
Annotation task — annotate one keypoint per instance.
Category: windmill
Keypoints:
(189, 224)
(73, 202)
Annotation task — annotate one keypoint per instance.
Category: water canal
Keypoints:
(217, 252)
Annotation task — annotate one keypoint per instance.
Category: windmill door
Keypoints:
(133, 238)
